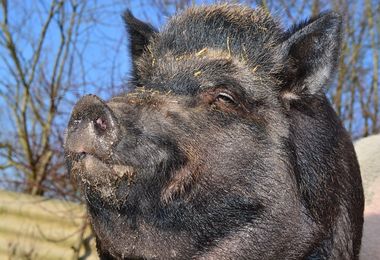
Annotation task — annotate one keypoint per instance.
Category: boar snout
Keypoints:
(92, 129)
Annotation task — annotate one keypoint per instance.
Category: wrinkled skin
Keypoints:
(226, 147)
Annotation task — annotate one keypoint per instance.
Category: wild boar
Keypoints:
(226, 147)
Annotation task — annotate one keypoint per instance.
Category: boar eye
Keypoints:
(225, 98)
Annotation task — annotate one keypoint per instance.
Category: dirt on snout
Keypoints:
(368, 151)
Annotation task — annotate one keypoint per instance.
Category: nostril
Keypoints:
(76, 122)
(92, 129)
(101, 124)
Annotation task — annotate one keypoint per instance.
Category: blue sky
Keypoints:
(105, 42)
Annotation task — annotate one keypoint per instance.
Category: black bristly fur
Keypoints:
(227, 147)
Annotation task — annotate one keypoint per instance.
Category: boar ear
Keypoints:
(311, 50)
(140, 34)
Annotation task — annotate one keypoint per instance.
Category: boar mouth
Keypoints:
(94, 166)
(103, 178)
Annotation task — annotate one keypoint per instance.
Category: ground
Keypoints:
(368, 151)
